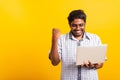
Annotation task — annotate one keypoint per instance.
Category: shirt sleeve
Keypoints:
(60, 48)
(99, 42)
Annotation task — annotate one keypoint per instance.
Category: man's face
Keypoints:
(77, 27)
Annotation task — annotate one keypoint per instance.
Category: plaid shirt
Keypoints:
(67, 53)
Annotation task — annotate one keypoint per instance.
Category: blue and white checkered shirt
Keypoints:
(67, 53)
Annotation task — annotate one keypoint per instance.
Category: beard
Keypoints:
(78, 33)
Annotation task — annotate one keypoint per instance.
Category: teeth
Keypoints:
(78, 31)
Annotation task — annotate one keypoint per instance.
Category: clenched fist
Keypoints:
(55, 34)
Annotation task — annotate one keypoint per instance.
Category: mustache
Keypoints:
(78, 30)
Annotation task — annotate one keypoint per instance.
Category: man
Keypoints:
(64, 49)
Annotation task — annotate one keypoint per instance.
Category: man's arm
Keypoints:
(54, 56)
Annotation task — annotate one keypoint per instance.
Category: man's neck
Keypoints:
(79, 37)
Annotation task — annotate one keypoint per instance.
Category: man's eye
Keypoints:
(73, 25)
(81, 25)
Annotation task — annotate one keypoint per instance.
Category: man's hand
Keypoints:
(90, 65)
(99, 65)
(55, 34)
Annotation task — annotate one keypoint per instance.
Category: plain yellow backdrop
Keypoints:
(25, 35)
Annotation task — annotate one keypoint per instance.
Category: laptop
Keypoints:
(94, 54)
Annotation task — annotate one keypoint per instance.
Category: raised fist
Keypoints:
(55, 34)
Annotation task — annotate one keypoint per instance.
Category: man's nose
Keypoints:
(77, 27)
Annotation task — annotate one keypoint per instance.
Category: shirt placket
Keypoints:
(79, 67)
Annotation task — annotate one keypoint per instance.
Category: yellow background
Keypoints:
(25, 35)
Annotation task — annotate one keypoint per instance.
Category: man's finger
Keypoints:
(91, 65)
(86, 64)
